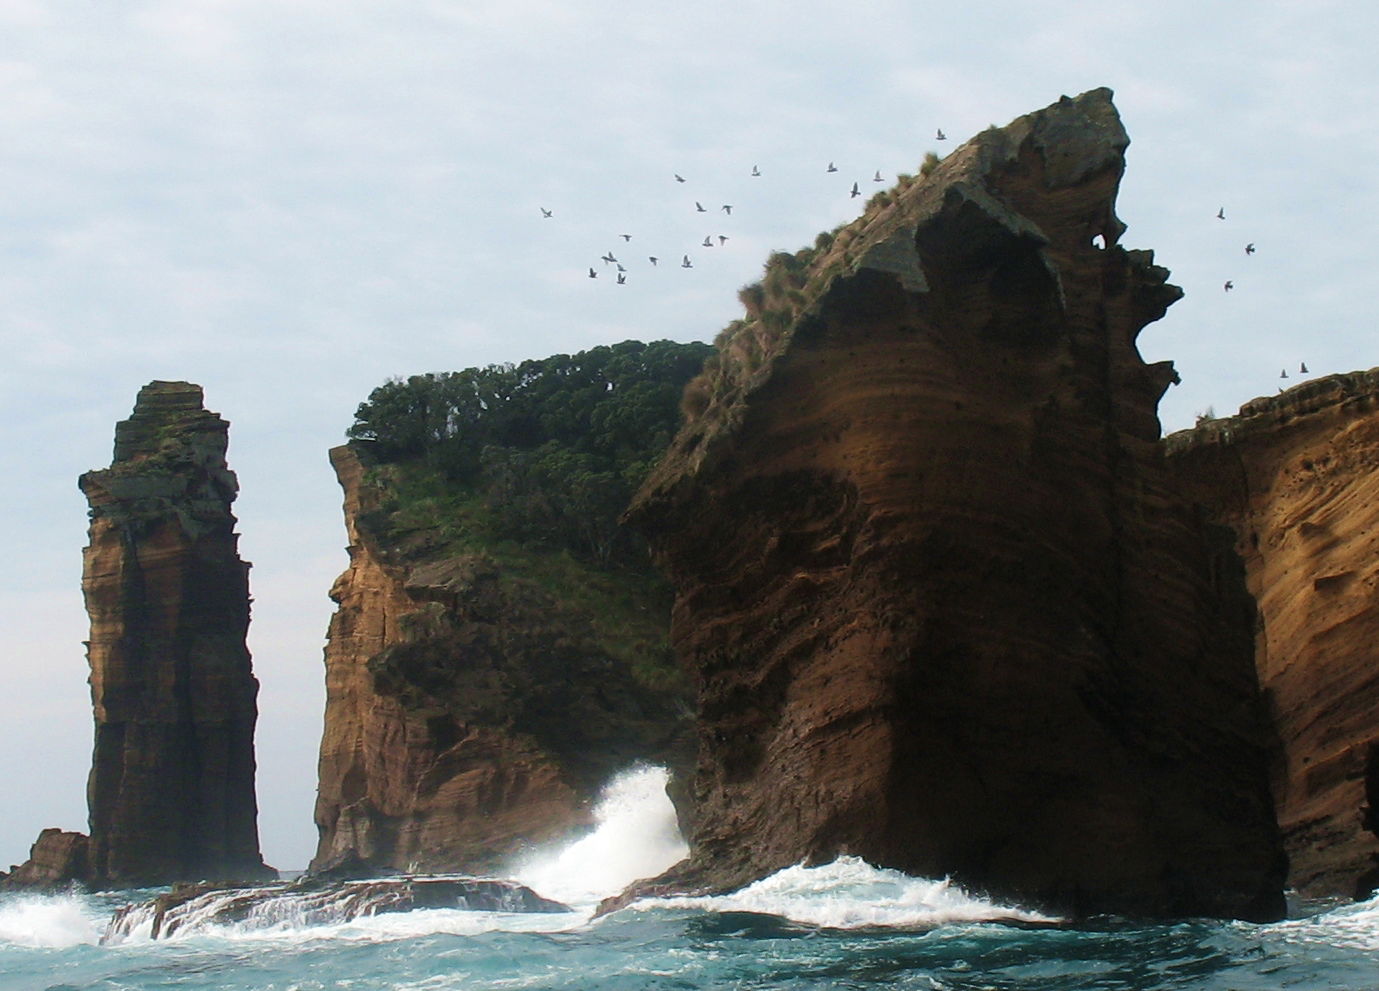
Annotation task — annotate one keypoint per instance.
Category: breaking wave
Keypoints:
(50, 921)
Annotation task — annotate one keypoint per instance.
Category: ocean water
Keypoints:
(840, 925)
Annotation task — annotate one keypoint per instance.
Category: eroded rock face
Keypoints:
(1297, 478)
(468, 716)
(56, 859)
(171, 792)
(943, 608)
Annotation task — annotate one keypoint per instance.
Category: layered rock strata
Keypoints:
(943, 608)
(57, 858)
(1296, 477)
(470, 713)
(171, 792)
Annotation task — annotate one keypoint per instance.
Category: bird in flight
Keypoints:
(545, 212)
(1229, 285)
(707, 243)
(593, 274)
(1250, 248)
(679, 177)
(699, 207)
(622, 279)
(722, 239)
(1283, 374)
(831, 168)
(877, 177)
(625, 237)
(620, 268)
(1221, 214)
(1303, 369)
(728, 209)
(608, 259)
(756, 171)
(653, 259)
(686, 263)
(940, 136)
(855, 190)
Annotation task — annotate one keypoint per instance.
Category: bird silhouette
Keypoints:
(679, 177)
(855, 190)
(722, 239)
(1283, 374)
(593, 274)
(1229, 285)
(544, 212)
(1250, 248)
(877, 177)
(756, 171)
(940, 136)
(831, 168)
(625, 237)
(707, 243)
(686, 263)
(1302, 370)
(728, 209)
(1221, 214)
(699, 207)
(620, 268)
(653, 259)
(622, 279)
(608, 259)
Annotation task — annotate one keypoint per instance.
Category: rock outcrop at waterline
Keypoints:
(470, 712)
(57, 858)
(171, 792)
(1296, 477)
(943, 608)
(311, 901)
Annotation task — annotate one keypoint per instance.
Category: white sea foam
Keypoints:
(1354, 926)
(635, 836)
(849, 893)
(53, 921)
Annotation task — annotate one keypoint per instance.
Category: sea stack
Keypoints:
(171, 792)
(943, 607)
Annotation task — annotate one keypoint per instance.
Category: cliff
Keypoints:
(942, 606)
(1297, 479)
(171, 791)
(478, 692)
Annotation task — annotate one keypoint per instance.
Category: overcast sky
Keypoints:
(289, 201)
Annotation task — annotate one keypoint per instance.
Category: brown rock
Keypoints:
(57, 858)
(1297, 479)
(468, 714)
(943, 608)
(171, 793)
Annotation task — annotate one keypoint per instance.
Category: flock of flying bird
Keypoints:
(620, 270)
(1229, 285)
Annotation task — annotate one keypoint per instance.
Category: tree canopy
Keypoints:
(557, 444)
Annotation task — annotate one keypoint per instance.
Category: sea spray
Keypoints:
(50, 921)
(635, 836)
(849, 893)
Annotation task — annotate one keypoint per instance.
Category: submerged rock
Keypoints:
(316, 901)
(171, 792)
(944, 609)
(1295, 478)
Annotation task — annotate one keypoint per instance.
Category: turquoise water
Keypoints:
(840, 925)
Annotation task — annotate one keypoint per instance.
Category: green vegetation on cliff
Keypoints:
(530, 467)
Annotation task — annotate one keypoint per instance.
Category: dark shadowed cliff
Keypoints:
(942, 606)
(171, 792)
(1297, 478)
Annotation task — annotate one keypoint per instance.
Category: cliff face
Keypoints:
(1297, 479)
(942, 607)
(470, 713)
(171, 792)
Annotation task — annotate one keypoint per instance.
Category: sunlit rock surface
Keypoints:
(1296, 476)
(171, 792)
(944, 609)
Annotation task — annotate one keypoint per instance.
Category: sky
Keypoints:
(291, 201)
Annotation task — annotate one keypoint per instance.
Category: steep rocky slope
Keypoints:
(941, 604)
(1297, 478)
(171, 792)
(474, 706)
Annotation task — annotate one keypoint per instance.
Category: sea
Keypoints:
(841, 925)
